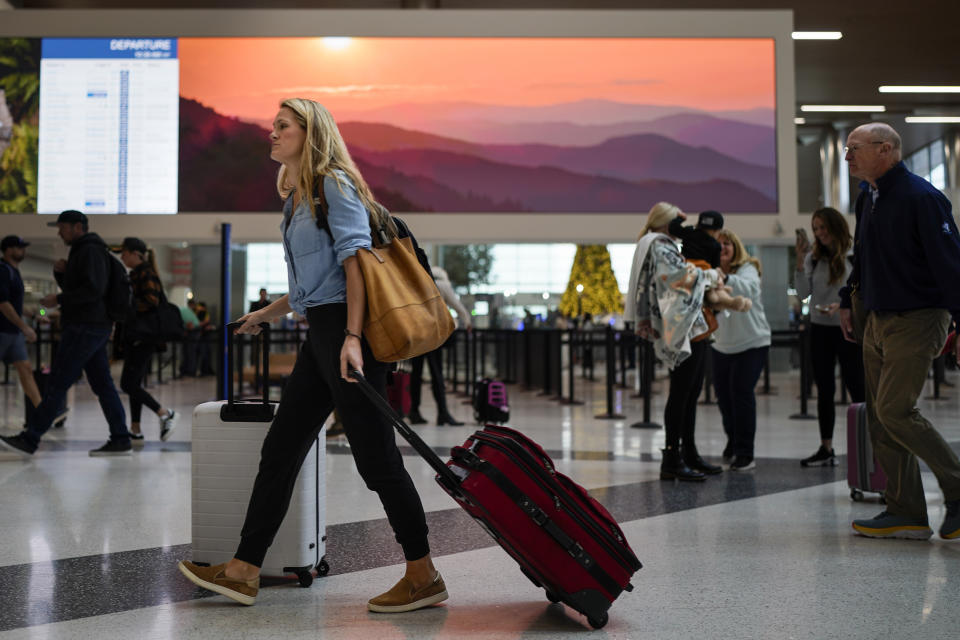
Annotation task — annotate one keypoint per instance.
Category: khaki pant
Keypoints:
(898, 349)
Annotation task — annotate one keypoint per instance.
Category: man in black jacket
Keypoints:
(903, 290)
(83, 279)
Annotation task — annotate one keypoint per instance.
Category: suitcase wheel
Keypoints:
(552, 597)
(305, 578)
(323, 568)
(599, 622)
(856, 495)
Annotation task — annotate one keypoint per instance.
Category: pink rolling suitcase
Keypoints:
(863, 472)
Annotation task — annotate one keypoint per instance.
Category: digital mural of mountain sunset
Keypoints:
(488, 125)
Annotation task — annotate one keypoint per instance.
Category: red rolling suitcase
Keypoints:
(863, 472)
(563, 539)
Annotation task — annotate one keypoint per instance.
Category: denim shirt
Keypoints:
(315, 262)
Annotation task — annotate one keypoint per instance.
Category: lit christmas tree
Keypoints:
(600, 293)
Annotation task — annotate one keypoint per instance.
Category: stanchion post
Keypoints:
(611, 376)
(510, 353)
(647, 362)
(938, 377)
(622, 351)
(804, 377)
(571, 375)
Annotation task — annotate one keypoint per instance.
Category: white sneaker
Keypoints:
(167, 424)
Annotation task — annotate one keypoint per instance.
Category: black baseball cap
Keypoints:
(131, 244)
(70, 216)
(13, 241)
(710, 220)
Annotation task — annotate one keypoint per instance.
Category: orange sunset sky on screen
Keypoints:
(246, 77)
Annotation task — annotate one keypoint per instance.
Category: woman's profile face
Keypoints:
(820, 231)
(129, 259)
(287, 137)
(726, 250)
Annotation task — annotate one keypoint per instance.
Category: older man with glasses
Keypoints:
(899, 300)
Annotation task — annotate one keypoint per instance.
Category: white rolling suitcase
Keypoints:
(227, 437)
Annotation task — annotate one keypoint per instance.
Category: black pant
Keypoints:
(827, 345)
(312, 391)
(136, 364)
(735, 377)
(436, 381)
(686, 382)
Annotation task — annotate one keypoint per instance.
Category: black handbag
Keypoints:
(161, 324)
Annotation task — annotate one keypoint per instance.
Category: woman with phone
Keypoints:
(821, 271)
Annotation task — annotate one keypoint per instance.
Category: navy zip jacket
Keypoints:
(906, 247)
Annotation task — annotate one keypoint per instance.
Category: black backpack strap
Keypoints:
(403, 231)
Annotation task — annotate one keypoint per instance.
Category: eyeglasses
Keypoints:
(857, 147)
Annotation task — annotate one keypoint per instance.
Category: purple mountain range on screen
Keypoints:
(225, 166)
(584, 112)
(632, 158)
(553, 189)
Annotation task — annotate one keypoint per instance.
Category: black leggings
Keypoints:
(827, 345)
(312, 391)
(686, 382)
(136, 365)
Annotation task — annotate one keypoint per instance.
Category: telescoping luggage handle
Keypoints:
(245, 411)
(446, 477)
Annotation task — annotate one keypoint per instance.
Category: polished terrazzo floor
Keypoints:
(89, 545)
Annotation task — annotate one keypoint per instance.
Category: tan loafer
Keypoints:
(403, 597)
(215, 579)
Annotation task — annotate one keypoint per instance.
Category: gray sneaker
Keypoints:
(950, 528)
(167, 424)
(888, 525)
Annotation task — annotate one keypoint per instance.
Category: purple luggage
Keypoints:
(490, 401)
(863, 472)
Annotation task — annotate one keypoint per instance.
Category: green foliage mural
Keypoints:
(19, 123)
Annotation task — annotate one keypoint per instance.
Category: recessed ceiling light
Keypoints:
(799, 121)
(817, 35)
(932, 119)
(869, 108)
(893, 88)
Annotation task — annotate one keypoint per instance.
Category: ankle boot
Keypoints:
(693, 460)
(414, 417)
(673, 467)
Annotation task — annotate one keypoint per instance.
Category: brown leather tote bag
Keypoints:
(406, 316)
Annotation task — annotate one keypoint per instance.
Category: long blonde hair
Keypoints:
(740, 255)
(838, 229)
(324, 152)
(660, 214)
